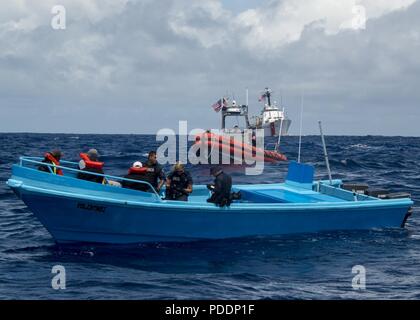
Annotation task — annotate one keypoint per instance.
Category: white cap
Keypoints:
(137, 164)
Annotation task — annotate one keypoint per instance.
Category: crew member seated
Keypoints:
(90, 163)
(52, 158)
(136, 172)
(178, 184)
(221, 189)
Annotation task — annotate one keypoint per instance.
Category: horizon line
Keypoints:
(127, 134)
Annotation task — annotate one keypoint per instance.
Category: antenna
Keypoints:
(247, 97)
(327, 161)
(301, 125)
(280, 130)
(247, 110)
(222, 103)
(281, 98)
(268, 93)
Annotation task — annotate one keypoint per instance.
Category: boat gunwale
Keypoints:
(106, 176)
(191, 205)
(345, 205)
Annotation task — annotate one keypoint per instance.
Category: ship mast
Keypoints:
(268, 95)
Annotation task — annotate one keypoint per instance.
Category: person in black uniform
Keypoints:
(221, 189)
(155, 174)
(178, 184)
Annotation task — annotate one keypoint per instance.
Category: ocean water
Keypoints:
(307, 266)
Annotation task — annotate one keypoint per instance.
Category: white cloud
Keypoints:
(204, 21)
(127, 61)
(283, 22)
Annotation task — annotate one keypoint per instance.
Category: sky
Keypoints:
(137, 66)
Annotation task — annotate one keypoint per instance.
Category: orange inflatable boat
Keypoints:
(231, 147)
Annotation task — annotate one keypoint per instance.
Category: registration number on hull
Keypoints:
(91, 207)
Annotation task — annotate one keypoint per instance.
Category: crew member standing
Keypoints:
(154, 174)
(179, 184)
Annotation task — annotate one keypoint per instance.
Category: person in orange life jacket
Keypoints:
(155, 174)
(179, 184)
(136, 172)
(52, 158)
(90, 163)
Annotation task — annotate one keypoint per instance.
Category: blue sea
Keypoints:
(307, 266)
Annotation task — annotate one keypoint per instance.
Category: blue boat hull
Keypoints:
(79, 211)
(71, 220)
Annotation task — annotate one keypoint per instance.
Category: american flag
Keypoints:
(218, 105)
(263, 97)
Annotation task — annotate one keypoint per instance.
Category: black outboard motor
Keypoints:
(380, 194)
(355, 187)
(363, 188)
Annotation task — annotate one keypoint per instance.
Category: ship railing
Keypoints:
(38, 162)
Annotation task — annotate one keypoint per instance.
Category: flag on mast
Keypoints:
(263, 97)
(218, 105)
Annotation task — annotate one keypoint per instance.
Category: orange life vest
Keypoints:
(91, 164)
(135, 170)
(55, 164)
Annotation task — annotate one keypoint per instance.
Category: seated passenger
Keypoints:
(90, 163)
(178, 184)
(136, 172)
(52, 158)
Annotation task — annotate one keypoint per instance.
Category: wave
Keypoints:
(252, 268)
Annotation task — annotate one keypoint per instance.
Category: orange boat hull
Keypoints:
(232, 147)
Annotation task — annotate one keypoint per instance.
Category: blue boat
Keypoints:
(74, 210)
